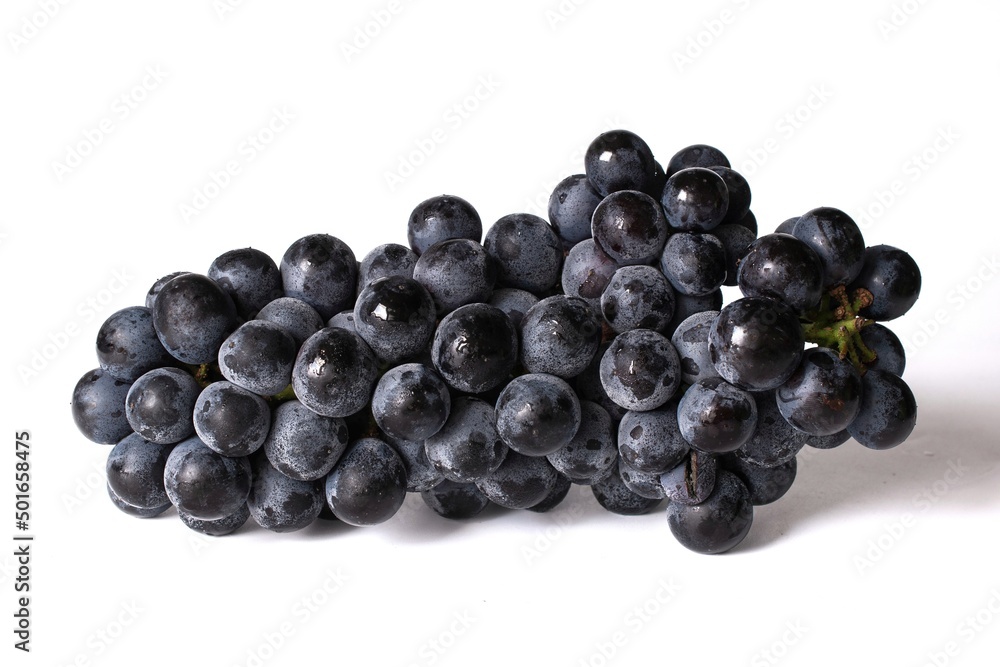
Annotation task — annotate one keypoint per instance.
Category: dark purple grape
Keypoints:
(589, 387)
(889, 352)
(468, 447)
(231, 420)
(691, 341)
(587, 272)
(192, 315)
(259, 356)
(629, 226)
(514, 302)
(640, 370)
(559, 336)
(302, 444)
(837, 240)
(893, 278)
(686, 306)
(205, 484)
(132, 510)
(475, 348)
(411, 402)
(250, 277)
(650, 441)
(764, 484)
(787, 227)
(442, 218)
(158, 285)
(217, 527)
(823, 396)
(698, 155)
(782, 267)
(537, 414)
(613, 495)
(455, 500)
(98, 407)
(638, 297)
(368, 484)
(735, 240)
(828, 441)
(388, 259)
(692, 481)
(396, 317)
(160, 403)
(756, 343)
(718, 524)
(695, 264)
(135, 472)
(526, 252)
(749, 221)
(739, 195)
(645, 484)
(421, 474)
(456, 272)
(716, 417)
(344, 320)
(555, 496)
(520, 482)
(571, 207)
(592, 451)
(695, 200)
(619, 160)
(295, 316)
(888, 411)
(775, 441)
(279, 503)
(334, 373)
(127, 344)
(322, 271)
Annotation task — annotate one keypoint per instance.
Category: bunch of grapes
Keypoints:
(592, 349)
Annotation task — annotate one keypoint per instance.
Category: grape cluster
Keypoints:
(591, 348)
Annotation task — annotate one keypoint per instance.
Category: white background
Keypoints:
(873, 558)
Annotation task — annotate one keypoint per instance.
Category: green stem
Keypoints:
(837, 325)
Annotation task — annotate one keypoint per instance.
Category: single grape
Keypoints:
(787, 227)
(158, 285)
(571, 207)
(455, 500)
(685, 306)
(475, 348)
(396, 317)
(775, 441)
(838, 242)
(160, 403)
(692, 481)
(613, 495)
(302, 444)
(715, 417)
(782, 267)
(629, 227)
(368, 484)
(514, 302)
(718, 524)
(695, 264)
(691, 340)
(258, 356)
(559, 336)
(250, 277)
(888, 411)
(388, 259)
(645, 484)
(739, 195)
(526, 252)
(295, 316)
(421, 474)
(127, 344)
(651, 441)
(556, 495)
(638, 297)
(823, 396)
(227, 525)
(442, 218)
(132, 510)
(890, 355)
(698, 155)
(135, 472)
(205, 484)
(619, 160)
(468, 447)
(695, 200)
(231, 420)
(192, 315)
(764, 484)
(98, 407)
(756, 343)
(589, 387)
(344, 320)
(587, 272)
(334, 373)
(520, 482)
(322, 271)
(279, 503)
(893, 278)
(456, 272)
(592, 451)
(640, 370)
(411, 402)
(749, 221)
(537, 414)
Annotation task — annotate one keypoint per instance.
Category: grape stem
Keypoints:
(837, 324)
